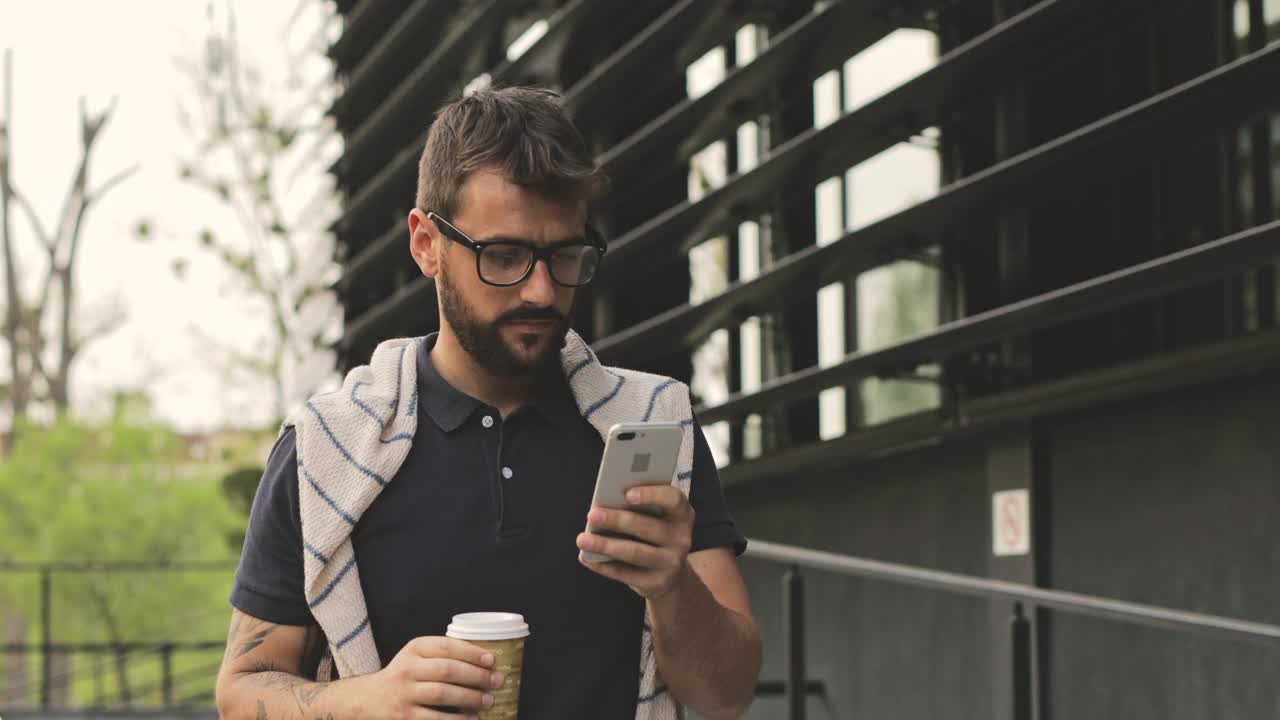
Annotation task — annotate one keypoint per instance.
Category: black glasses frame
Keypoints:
(539, 252)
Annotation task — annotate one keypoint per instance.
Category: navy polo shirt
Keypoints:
(483, 516)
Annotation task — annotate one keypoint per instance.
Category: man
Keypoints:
(454, 473)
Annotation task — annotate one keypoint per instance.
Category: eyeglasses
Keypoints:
(572, 263)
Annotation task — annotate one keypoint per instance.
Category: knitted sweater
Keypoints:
(351, 442)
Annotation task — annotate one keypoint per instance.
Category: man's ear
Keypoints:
(423, 239)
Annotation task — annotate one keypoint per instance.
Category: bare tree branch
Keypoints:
(37, 226)
(106, 187)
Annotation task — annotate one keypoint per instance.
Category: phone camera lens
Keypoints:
(626, 436)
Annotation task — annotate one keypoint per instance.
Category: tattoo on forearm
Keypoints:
(257, 631)
(307, 694)
(269, 676)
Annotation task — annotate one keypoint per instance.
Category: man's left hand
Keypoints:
(654, 559)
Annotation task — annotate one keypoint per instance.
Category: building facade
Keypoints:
(912, 254)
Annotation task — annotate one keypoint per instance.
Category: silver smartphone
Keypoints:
(634, 454)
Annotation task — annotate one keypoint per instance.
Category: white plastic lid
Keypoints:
(488, 626)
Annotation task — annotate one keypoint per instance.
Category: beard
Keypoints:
(485, 343)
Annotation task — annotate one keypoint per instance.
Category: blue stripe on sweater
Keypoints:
(365, 406)
(579, 367)
(352, 635)
(315, 553)
(654, 397)
(324, 594)
(604, 400)
(657, 693)
(315, 486)
(345, 453)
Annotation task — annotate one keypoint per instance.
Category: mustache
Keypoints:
(531, 314)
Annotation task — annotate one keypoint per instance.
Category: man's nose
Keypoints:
(538, 289)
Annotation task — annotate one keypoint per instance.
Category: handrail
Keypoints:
(955, 583)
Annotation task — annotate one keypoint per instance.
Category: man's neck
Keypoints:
(460, 369)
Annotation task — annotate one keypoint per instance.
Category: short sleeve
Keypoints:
(713, 525)
(269, 580)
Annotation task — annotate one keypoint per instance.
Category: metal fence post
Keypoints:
(1020, 667)
(166, 669)
(793, 616)
(46, 636)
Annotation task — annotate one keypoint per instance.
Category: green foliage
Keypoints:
(124, 491)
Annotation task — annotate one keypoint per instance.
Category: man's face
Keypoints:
(510, 331)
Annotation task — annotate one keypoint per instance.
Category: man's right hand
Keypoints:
(432, 672)
(264, 669)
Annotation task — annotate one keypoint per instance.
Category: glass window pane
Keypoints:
(705, 73)
(826, 99)
(898, 57)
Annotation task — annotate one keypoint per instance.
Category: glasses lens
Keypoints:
(575, 265)
(504, 263)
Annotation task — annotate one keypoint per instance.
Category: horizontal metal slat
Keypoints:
(1139, 282)
(618, 71)
(684, 129)
(419, 292)
(375, 255)
(406, 29)
(424, 83)
(855, 137)
(800, 273)
(537, 59)
(1224, 360)
(360, 29)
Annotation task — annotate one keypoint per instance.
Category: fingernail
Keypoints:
(633, 496)
(488, 701)
(486, 659)
(496, 679)
(596, 516)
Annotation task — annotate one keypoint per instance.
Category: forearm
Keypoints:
(708, 655)
(274, 695)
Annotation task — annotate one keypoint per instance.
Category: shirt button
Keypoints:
(487, 421)
(506, 473)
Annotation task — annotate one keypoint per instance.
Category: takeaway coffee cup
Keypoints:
(502, 634)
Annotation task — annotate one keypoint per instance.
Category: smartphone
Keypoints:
(634, 454)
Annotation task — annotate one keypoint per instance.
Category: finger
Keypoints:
(643, 527)
(456, 672)
(435, 646)
(445, 695)
(426, 713)
(666, 498)
(629, 551)
(620, 571)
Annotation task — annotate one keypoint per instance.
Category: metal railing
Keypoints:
(171, 681)
(1026, 598)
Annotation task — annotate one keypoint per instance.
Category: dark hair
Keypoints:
(520, 132)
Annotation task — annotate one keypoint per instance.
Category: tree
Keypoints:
(253, 143)
(46, 334)
(124, 491)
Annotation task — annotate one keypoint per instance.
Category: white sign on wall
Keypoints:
(1011, 523)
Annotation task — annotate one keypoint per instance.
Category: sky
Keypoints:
(65, 50)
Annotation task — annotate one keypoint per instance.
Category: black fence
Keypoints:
(174, 673)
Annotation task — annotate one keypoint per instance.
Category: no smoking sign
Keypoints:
(1011, 523)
